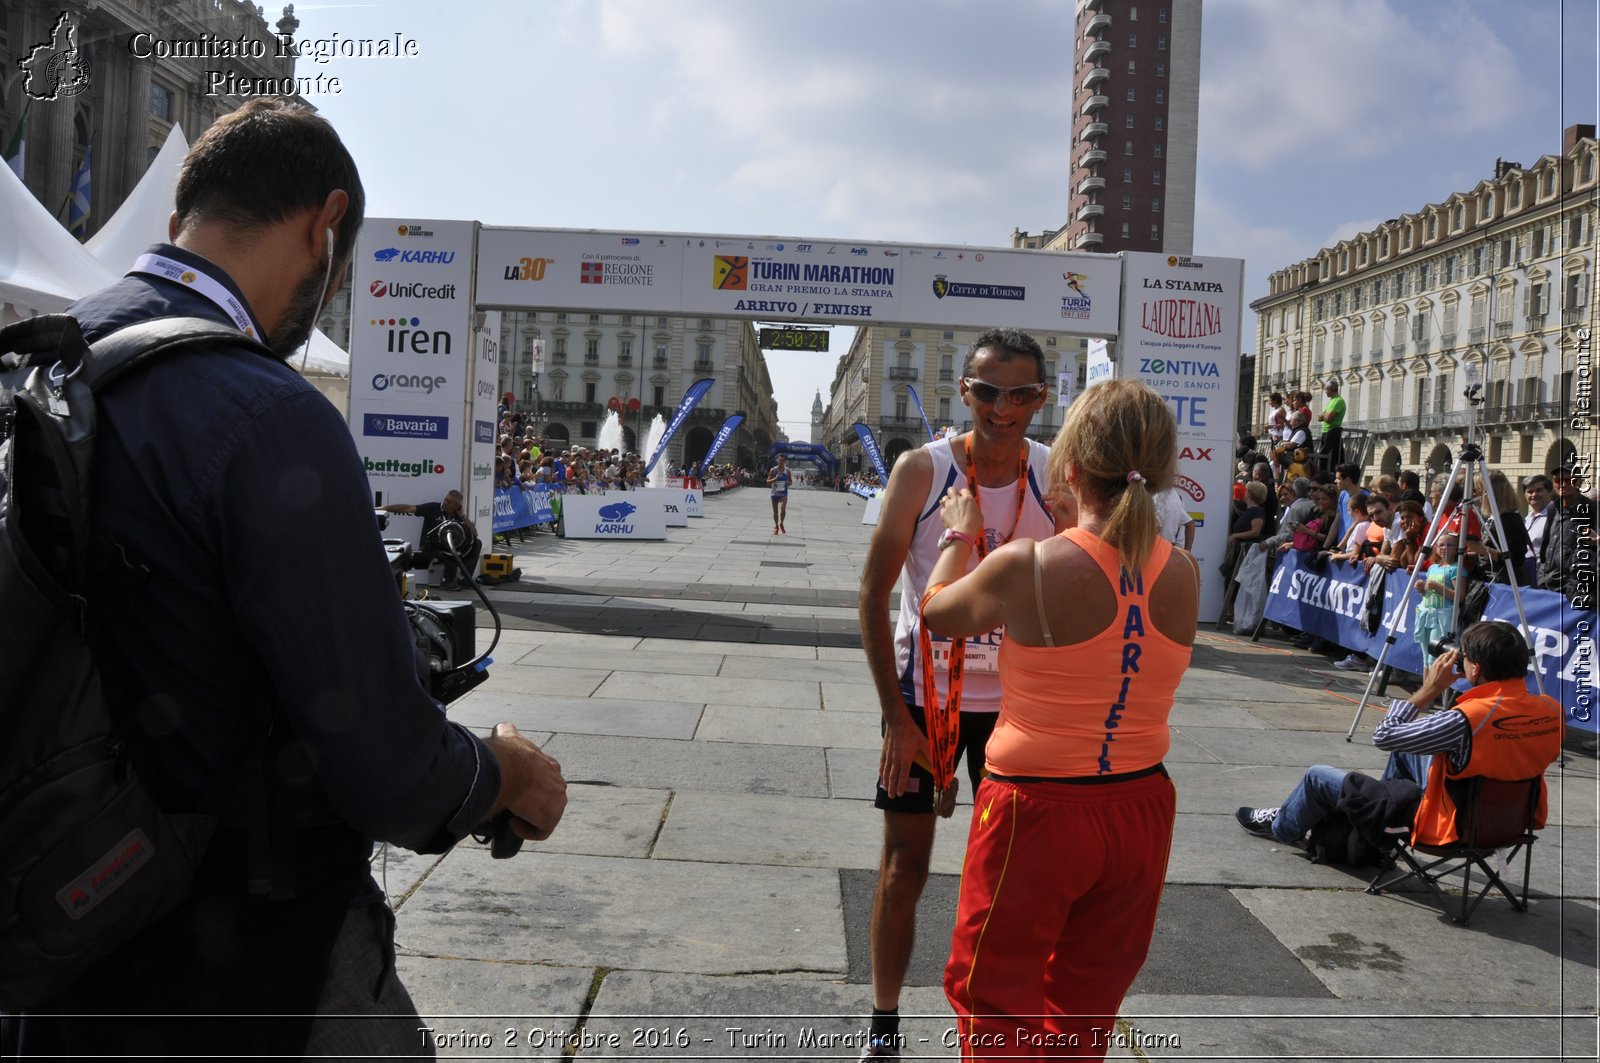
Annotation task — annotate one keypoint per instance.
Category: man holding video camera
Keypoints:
(1498, 728)
(436, 517)
(252, 632)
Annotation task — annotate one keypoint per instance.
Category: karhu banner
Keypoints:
(691, 398)
(724, 434)
(870, 445)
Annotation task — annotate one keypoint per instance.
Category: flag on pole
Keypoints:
(686, 405)
(78, 201)
(921, 412)
(870, 445)
(17, 146)
(723, 435)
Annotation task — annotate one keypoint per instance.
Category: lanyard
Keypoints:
(161, 266)
(943, 718)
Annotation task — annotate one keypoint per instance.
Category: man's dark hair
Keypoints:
(1497, 647)
(1009, 343)
(1409, 479)
(1538, 480)
(1350, 471)
(264, 163)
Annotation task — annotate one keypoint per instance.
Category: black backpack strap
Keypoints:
(134, 345)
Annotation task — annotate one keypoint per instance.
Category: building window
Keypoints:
(1161, 70)
(702, 352)
(1155, 204)
(1127, 147)
(1130, 94)
(561, 318)
(1161, 124)
(591, 348)
(1158, 151)
(1127, 201)
(1126, 234)
(1127, 121)
(558, 390)
(160, 101)
(944, 411)
(625, 350)
(1133, 40)
(1130, 66)
(659, 395)
(1161, 42)
(949, 334)
(1161, 15)
(1155, 233)
(1127, 175)
(1161, 96)
(1155, 178)
(589, 392)
(1133, 14)
(561, 346)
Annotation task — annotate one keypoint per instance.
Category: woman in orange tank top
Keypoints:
(1070, 833)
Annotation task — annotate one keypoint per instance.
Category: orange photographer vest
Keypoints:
(1515, 735)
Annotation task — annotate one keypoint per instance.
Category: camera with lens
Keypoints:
(1442, 645)
(444, 634)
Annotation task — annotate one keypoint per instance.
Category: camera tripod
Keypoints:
(1470, 459)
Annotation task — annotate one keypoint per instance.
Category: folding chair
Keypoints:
(1491, 814)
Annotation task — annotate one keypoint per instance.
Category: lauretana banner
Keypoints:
(1328, 602)
(691, 398)
(523, 507)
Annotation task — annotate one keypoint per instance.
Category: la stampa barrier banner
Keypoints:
(523, 507)
(1328, 602)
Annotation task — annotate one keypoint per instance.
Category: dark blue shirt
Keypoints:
(239, 485)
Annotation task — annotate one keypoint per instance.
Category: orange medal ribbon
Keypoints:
(943, 718)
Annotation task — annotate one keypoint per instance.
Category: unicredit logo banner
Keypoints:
(382, 289)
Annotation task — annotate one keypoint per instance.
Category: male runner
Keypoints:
(778, 480)
(1002, 382)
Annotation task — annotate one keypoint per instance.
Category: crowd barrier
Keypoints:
(1328, 602)
(524, 506)
(862, 490)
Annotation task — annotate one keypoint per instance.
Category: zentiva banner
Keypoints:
(870, 445)
(1328, 602)
(723, 435)
(690, 399)
(921, 412)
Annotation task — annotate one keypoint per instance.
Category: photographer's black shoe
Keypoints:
(1257, 821)
(450, 585)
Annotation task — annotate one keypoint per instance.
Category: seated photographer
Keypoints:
(433, 515)
(1498, 729)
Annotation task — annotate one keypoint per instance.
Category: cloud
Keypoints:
(1365, 79)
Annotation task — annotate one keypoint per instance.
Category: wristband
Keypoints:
(951, 535)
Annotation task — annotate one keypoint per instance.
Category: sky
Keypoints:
(936, 121)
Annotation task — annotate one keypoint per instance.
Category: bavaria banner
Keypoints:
(724, 434)
(523, 507)
(921, 412)
(870, 445)
(1328, 602)
(691, 398)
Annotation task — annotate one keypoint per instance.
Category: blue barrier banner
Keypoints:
(691, 398)
(1327, 602)
(523, 507)
(723, 435)
(870, 445)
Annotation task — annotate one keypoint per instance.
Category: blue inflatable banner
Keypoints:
(1328, 602)
(724, 434)
(691, 398)
(523, 507)
(870, 445)
(921, 412)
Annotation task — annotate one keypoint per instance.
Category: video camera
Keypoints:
(444, 635)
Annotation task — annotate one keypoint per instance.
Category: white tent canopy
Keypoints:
(44, 268)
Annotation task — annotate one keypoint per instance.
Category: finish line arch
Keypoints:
(427, 297)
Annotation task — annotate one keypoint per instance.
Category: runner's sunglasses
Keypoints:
(988, 394)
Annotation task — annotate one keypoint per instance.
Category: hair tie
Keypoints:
(1135, 475)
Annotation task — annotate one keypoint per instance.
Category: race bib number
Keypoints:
(983, 652)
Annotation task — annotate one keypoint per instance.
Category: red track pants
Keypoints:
(1058, 903)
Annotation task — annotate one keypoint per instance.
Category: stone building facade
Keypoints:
(1493, 284)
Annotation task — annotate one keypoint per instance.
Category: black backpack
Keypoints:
(1335, 840)
(88, 857)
